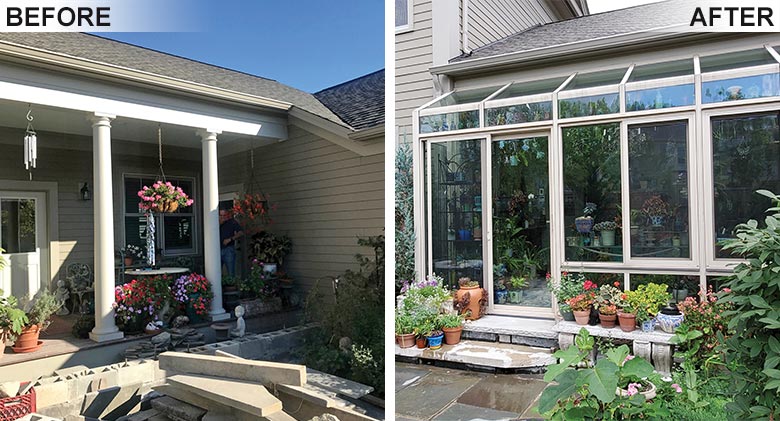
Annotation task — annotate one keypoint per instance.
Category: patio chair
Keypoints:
(81, 281)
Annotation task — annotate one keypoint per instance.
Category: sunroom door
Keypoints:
(23, 237)
(519, 186)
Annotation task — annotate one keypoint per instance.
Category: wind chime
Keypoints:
(30, 145)
(150, 227)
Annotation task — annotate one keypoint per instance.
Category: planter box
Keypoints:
(261, 306)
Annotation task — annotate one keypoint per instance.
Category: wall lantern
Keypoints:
(85, 193)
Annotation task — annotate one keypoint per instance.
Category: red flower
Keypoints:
(588, 285)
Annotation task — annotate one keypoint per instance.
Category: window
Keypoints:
(17, 225)
(746, 158)
(175, 231)
(403, 14)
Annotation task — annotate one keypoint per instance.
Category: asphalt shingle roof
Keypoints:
(117, 53)
(359, 102)
(600, 25)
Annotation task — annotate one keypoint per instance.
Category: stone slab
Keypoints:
(140, 416)
(305, 410)
(264, 372)
(337, 384)
(656, 336)
(513, 394)
(461, 412)
(507, 325)
(111, 403)
(176, 409)
(244, 396)
(280, 416)
(197, 400)
(498, 355)
(221, 353)
(426, 397)
(405, 376)
(310, 395)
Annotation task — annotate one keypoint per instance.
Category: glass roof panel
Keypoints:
(465, 97)
(662, 70)
(531, 88)
(736, 60)
(590, 80)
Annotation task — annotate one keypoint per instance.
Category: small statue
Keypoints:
(180, 321)
(240, 330)
(63, 293)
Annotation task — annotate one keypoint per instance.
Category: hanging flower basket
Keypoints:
(163, 197)
(253, 208)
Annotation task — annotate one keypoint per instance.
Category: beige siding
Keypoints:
(491, 20)
(414, 56)
(326, 198)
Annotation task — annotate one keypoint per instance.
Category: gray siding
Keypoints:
(326, 198)
(491, 20)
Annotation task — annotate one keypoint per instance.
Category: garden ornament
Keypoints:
(240, 330)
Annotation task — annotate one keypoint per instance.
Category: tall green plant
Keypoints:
(753, 356)
(404, 216)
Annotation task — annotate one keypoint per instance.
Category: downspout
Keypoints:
(465, 28)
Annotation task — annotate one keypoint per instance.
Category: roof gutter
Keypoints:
(564, 51)
(27, 53)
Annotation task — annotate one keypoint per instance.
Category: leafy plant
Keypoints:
(753, 356)
(705, 323)
(43, 308)
(270, 248)
(404, 323)
(518, 282)
(3, 263)
(12, 318)
(646, 300)
(451, 321)
(404, 215)
(570, 285)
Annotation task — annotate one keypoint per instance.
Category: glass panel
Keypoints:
(757, 57)
(17, 225)
(449, 121)
(589, 105)
(401, 12)
(531, 88)
(465, 97)
(665, 97)
(516, 114)
(658, 186)
(589, 80)
(605, 279)
(741, 88)
(746, 158)
(661, 70)
(716, 283)
(680, 286)
(591, 189)
(521, 232)
(456, 184)
(135, 230)
(178, 232)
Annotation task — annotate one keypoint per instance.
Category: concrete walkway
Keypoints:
(433, 393)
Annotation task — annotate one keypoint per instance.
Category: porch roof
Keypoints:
(126, 56)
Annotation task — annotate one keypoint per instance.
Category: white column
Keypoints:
(211, 247)
(105, 328)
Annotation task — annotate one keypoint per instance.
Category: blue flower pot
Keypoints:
(648, 325)
(584, 225)
(656, 220)
(501, 296)
(434, 342)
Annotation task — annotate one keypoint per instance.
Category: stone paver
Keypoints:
(505, 325)
(461, 412)
(505, 393)
(406, 375)
(426, 397)
(486, 354)
(337, 384)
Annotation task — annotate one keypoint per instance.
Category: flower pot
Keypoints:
(452, 334)
(567, 315)
(607, 238)
(420, 343)
(657, 220)
(669, 319)
(607, 320)
(434, 342)
(464, 235)
(128, 261)
(583, 224)
(28, 339)
(406, 340)
(627, 322)
(648, 325)
(501, 296)
(581, 316)
(648, 394)
(472, 310)
(515, 296)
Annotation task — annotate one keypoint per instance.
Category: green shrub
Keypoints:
(404, 216)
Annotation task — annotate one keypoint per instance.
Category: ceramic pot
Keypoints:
(515, 296)
(406, 341)
(582, 317)
(583, 224)
(434, 342)
(607, 238)
(28, 338)
(648, 325)
(501, 296)
(648, 394)
(669, 319)
(472, 311)
(607, 320)
(656, 220)
(568, 316)
(420, 343)
(627, 322)
(452, 334)
(128, 260)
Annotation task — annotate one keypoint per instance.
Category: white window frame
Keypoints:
(409, 27)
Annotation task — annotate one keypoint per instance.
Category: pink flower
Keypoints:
(632, 389)
(676, 387)
(628, 358)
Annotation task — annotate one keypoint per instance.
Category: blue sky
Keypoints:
(307, 44)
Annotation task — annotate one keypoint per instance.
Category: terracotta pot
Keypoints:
(627, 322)
(452, 334)
(28, 338)
(406, 341)
(607, 320)
(421, 343)
(472, 311)
(128, 261)
(581, 316)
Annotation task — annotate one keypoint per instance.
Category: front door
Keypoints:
(23, 237)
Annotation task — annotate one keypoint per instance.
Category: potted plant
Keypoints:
(12, 318)
(435, 336)
(163, 197)
(452, 325)
(656, 209)
(193, 293)
(580, 306)
(270, 248)
(404, 330)
(229, 283)
(424, 328)
(570, 285)
(468, 298)
(499, 286)
(608, 300)
(39, 315)
(607, 229)
(627, 314)
(517, 283)
(584, 223)
(649, 299)
(131, 253)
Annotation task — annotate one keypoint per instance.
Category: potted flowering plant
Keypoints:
(141, 301)
(253, 209)
(580, 306)
(570, 285)
(656, 209)
(193, 293)
(452, 325)
(131, 253)
(163, 197)
(608, 300)
(404, 329)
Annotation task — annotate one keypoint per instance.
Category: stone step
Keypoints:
(337, 384)
(178, 410)
(484, 354)
(214, 408)
(514, 330)
(244, 396)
